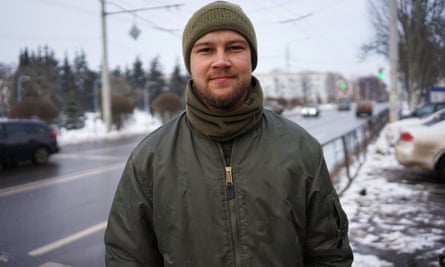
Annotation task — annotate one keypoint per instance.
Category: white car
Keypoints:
(392, 131)
(423, 146)
(310, 110)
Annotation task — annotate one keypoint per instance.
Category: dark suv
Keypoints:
(24, 140)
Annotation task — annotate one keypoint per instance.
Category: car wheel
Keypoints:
(441, 169)
(40, 156)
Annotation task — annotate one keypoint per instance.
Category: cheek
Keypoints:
(196, 66)
(243, 64)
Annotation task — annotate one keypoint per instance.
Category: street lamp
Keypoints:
(21, 79)
(96, 85)
(147, 86)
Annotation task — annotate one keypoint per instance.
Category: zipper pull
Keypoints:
(230, 190)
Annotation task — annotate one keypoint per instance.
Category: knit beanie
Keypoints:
(219, 15)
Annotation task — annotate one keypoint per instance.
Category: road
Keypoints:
(55, 215)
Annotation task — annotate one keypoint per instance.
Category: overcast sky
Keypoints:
(328, 36)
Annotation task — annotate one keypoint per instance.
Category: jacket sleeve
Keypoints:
(327, 242)
(129, 237)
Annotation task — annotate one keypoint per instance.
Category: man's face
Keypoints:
(221, 68)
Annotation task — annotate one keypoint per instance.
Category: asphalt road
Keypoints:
(56, 214)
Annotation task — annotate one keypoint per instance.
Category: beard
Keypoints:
(225, 102)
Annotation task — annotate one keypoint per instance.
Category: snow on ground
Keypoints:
(95, 129)
(383, 199)
(386, 215)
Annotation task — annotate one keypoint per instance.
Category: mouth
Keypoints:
(221, 78)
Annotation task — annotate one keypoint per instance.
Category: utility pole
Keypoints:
(105, 80)
(394, 60)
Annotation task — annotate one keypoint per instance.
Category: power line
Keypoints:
(143, 9)
(134, 12)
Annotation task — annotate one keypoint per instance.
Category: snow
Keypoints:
(139, 123)
(369, 214)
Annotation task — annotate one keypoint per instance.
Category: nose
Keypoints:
(222, 59)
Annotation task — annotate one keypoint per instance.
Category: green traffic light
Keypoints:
(380, 75)
(343, 86)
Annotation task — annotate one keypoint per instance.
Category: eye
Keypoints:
(203, 50)
(236, 48)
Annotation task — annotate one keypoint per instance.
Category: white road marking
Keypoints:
(82, 156)
(58, 180)
(69, 239)
(53, 264)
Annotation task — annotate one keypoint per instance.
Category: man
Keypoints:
(226, 183)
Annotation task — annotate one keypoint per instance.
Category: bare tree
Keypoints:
(421, 30)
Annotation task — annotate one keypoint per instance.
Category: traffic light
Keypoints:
(344, 85)
(380, 74)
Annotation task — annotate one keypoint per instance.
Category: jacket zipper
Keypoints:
(230, 190)
(230, 194)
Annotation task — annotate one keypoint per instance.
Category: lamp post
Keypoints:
(288, 54)
(147, 86)
(21, 79)
(96, 85)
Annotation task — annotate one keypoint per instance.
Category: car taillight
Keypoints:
(53, 134)
(406, 136)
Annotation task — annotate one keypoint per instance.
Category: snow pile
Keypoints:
(139, 123)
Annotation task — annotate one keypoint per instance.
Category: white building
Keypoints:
(311, 86)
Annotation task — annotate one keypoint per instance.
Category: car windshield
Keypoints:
(311, 105)
(437, 118)
(425, 110)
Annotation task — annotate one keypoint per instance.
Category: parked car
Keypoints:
(392, 130)
(310, 110)
(363, 107)
(344, 104)
(273, 106)
(423, 146)
(424, 110)
(26, 140)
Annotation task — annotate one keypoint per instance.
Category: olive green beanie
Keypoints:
(219, 15)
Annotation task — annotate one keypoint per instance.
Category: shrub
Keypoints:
(120, 107)
(34, 108)
(166, 106)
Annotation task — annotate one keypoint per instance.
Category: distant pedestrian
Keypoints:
(226, 183)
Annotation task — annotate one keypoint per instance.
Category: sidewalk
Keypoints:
(397, 215)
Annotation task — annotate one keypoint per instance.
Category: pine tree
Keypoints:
(73, 117)
(82, 81)
(156, 81)
(178, 82)
(42, 70)
(66, 81)
(138, 79)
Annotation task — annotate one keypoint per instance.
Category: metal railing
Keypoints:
(348, 152)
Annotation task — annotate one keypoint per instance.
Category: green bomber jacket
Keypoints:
(179, 203)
